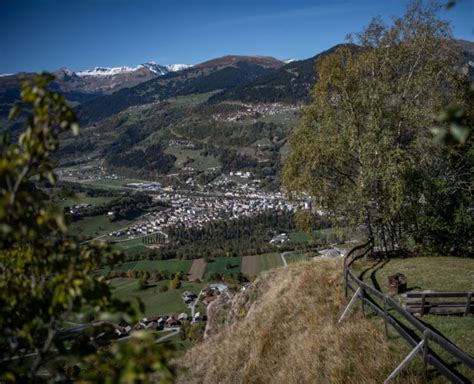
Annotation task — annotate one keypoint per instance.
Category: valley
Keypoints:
(200, 218)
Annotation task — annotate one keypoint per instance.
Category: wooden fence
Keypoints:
(432, 302)
(412, 330)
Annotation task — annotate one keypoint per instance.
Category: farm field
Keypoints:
(192, 158)
(82, 198)
(268, 261)
(131, 246)
(197, 269)
(296, 257)
(219, 265)
(155, 302)
(249, 265)
(96, 226)
(172, 265)
(300, 237)
(110, 183)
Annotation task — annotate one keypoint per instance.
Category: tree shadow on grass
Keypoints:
(374, 269)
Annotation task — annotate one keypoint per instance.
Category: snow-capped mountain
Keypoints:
(111, 79)
(153, 67)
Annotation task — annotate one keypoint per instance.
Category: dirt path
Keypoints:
(197, 269)
(249, 265)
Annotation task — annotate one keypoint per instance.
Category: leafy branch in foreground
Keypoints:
(48, 280)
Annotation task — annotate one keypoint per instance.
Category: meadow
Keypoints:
(156, 302)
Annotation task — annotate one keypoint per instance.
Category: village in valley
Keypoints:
(172, 308)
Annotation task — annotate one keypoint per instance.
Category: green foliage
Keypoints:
(45, 278)
(457, 118)
(364, 150)
(175, 283)
(142, 284)
(141, 357)
(194, 331)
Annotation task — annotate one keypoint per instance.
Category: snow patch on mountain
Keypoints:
(106, 71)
(157, 69)
(178, 67)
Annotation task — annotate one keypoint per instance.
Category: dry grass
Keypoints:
(284, 330)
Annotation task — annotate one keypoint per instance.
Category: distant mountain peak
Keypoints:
(157, 69)
(264, 61)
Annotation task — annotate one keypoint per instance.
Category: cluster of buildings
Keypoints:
(92, 172)
(280, 239)
(146, 186)
(195, 209)
(255, 110)
(78, 208)
(181, 143)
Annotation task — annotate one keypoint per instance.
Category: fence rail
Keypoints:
(428, 302)
(416, 333)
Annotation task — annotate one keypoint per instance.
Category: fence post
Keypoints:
(362, 298)
(345, 281)
(350, 305)
(425, 357)
(385, 323)
(405, 362)
(468, 304)
(422, 304)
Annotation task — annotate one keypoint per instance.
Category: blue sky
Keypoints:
(47, 34)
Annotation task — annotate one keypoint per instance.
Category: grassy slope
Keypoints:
(291, 335)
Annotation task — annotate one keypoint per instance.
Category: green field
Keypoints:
(198, 162)
(110, 183)
(219, 265)
(156, 302)
(300, 237)
(82, 198)
(442, 274)
(131, 246)
(172, 265)
(326, 235)
(96, 226)
(435, 273)
(296, 257)
(203, 163)
(268, 261)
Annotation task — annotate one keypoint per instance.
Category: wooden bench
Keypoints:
(440, 303)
